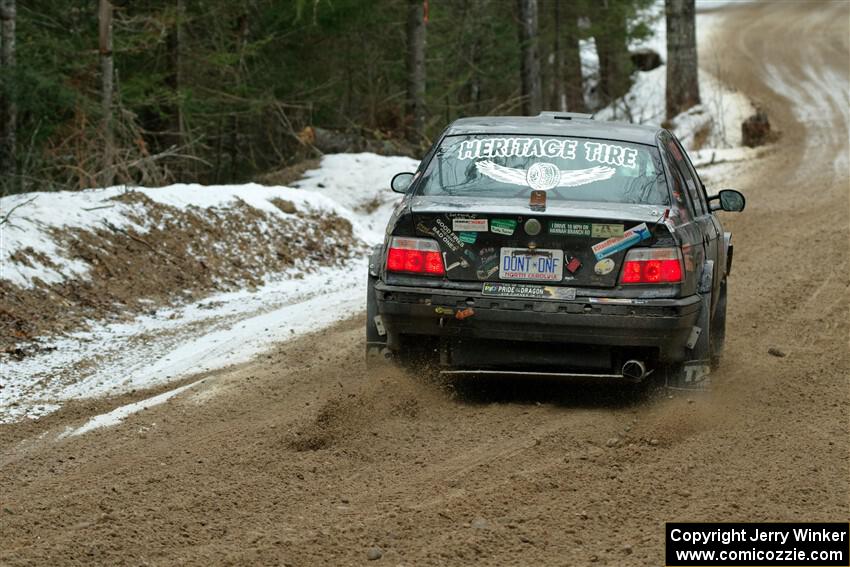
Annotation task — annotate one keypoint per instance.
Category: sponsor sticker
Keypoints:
(543, 176)
(503, 226)
(444, 311)
(604, 267)
(606, 230)
(462, 263)
(452, 241)
(469, 225)
(489, 264)
(468, 237)
(613, 245)
(553, 148)
(526, 290)
(570, 228)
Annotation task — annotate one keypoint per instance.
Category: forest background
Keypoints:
(150, 92)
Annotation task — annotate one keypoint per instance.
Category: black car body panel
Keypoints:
(476, 307)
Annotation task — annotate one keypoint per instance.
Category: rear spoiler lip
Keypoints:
(650, 214)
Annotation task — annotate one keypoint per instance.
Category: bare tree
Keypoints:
(415, 101)
(9, 108)
(532, 95)
(682, 78)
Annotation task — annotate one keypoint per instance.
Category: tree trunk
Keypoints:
(107, 87)
(415, 101)
(9, 108)
(175, 46)
(574, 82)
(612, 48)
(532, 97)
(682, 78)
(558, 100)
(473, 12)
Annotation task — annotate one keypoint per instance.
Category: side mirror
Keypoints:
(730, 200)
(401, 181)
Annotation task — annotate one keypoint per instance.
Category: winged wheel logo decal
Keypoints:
(544, 176)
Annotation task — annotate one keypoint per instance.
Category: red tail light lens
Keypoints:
(652, 266)
(416, 256)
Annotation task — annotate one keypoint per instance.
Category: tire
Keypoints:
(718, 328)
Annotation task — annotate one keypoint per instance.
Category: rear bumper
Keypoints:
(663, 324)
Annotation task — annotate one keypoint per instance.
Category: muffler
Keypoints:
(634, 370)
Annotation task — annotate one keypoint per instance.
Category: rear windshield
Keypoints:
(568, 169)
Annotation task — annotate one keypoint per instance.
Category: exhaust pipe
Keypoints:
(634, 370)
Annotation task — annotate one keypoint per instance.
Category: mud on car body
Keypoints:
(553, 244)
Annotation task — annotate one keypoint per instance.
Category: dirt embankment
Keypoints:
(183, 255)
(302, 458)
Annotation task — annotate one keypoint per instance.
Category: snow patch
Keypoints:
(119, 414)
(360, 183)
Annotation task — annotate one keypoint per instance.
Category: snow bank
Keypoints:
(36, 215)
(221, 329)
(359, 182)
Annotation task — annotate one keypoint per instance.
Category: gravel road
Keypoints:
(300, 457)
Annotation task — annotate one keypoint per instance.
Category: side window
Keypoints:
(691, 181)
(681, 209)
(700, 187)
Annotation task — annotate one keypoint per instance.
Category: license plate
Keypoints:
(531, 265)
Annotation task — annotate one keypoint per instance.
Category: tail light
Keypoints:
(652, 266)
(416, 256)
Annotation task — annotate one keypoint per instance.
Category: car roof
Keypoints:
(556, 124)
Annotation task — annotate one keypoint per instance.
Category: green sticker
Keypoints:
(468, 237)
(503, 226)
(607, 230)
(570, 228)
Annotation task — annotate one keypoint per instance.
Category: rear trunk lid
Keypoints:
(502, 240)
